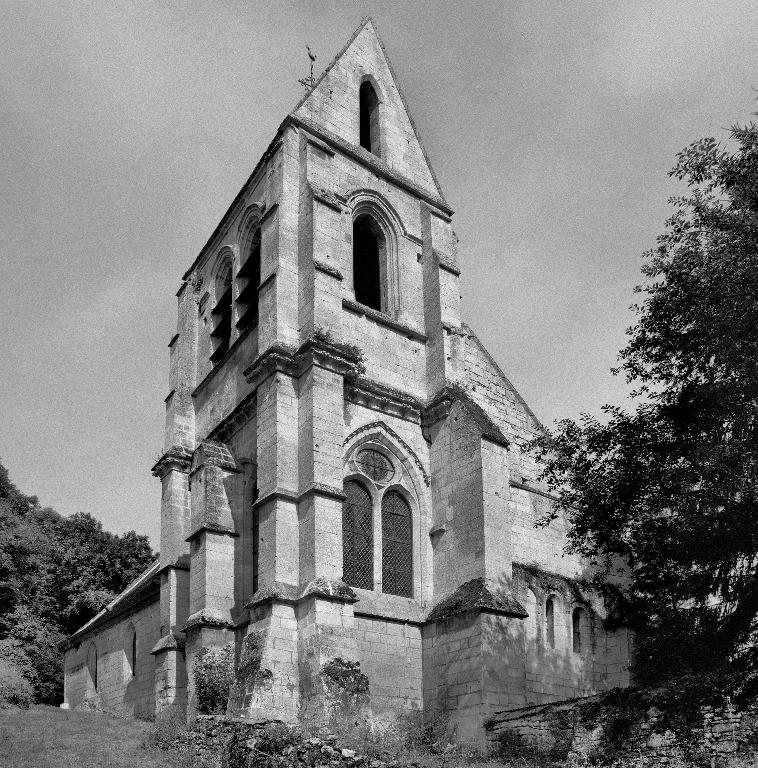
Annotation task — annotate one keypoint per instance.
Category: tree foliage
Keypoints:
(672, 485)
(56, 573)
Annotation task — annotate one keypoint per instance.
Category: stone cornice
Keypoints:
(317, 350)
(206, 618)
(177, 457)
(218, 530)
(327, 269)
(235, 420)
(371, 394)
(171, 642)
(324, 589)
(277, 495)
(382, 319)
(327, 198)
(211, 453)
(476, 596)
(278, 358)
(365, 158)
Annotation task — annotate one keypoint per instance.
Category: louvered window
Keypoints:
(249, 277)
(397, 545)
(221, 314)
(357, 537)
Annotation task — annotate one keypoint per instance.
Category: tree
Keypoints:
(672, 485)
(56, 573)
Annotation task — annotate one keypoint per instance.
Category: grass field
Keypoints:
(46, 737)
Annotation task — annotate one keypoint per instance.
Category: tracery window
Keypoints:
(357, 536)
(397, 545)
(377, 510)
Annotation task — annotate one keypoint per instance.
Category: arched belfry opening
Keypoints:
(249, 276)
(368, 252)
(222, 311)
(369, 117)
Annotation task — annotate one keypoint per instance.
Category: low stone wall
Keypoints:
(592, 726)
(223, 742)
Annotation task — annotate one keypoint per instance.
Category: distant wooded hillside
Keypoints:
(56, 572)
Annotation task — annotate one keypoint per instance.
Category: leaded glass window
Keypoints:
(357, 537)
(374, 465)
(397, 545)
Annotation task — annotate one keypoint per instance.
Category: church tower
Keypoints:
(346, 502)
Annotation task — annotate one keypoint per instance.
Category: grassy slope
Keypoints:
(46, 737)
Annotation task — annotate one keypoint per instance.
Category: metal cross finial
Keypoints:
(310, 81)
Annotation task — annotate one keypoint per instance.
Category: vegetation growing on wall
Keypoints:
(213, 671)
(56, 573)
(672, 486)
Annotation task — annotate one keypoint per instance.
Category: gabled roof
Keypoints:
(136, 590)
(389, 79)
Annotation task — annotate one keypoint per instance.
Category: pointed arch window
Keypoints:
(577, 621)
(222, 312)
(369, 118)
(550, 622)
(397, 545)
(92, 664)
(249, 277)
(357, 536)
(368, 253)
(130, 650)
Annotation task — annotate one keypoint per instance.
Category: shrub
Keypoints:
(15, 690)
(168, 729)
(213, 671)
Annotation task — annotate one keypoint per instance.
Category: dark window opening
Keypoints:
(368, 248)
(576, 625)
(369, 117)
(133, 651)
(92, 664)
(397, 545)
(222, 313)
(550, 623)
(249, 276)
(357, 537)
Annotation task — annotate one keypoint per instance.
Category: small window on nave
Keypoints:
(550, 623)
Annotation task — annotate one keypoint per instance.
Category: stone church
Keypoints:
(346, 501)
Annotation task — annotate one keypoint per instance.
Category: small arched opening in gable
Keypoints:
(369, 118)
(369, 268)
(222, 310)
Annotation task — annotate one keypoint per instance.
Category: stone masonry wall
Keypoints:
(390, 656)
(117, 689)
(562, 728)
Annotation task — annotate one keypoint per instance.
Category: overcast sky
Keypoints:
(127, 128)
